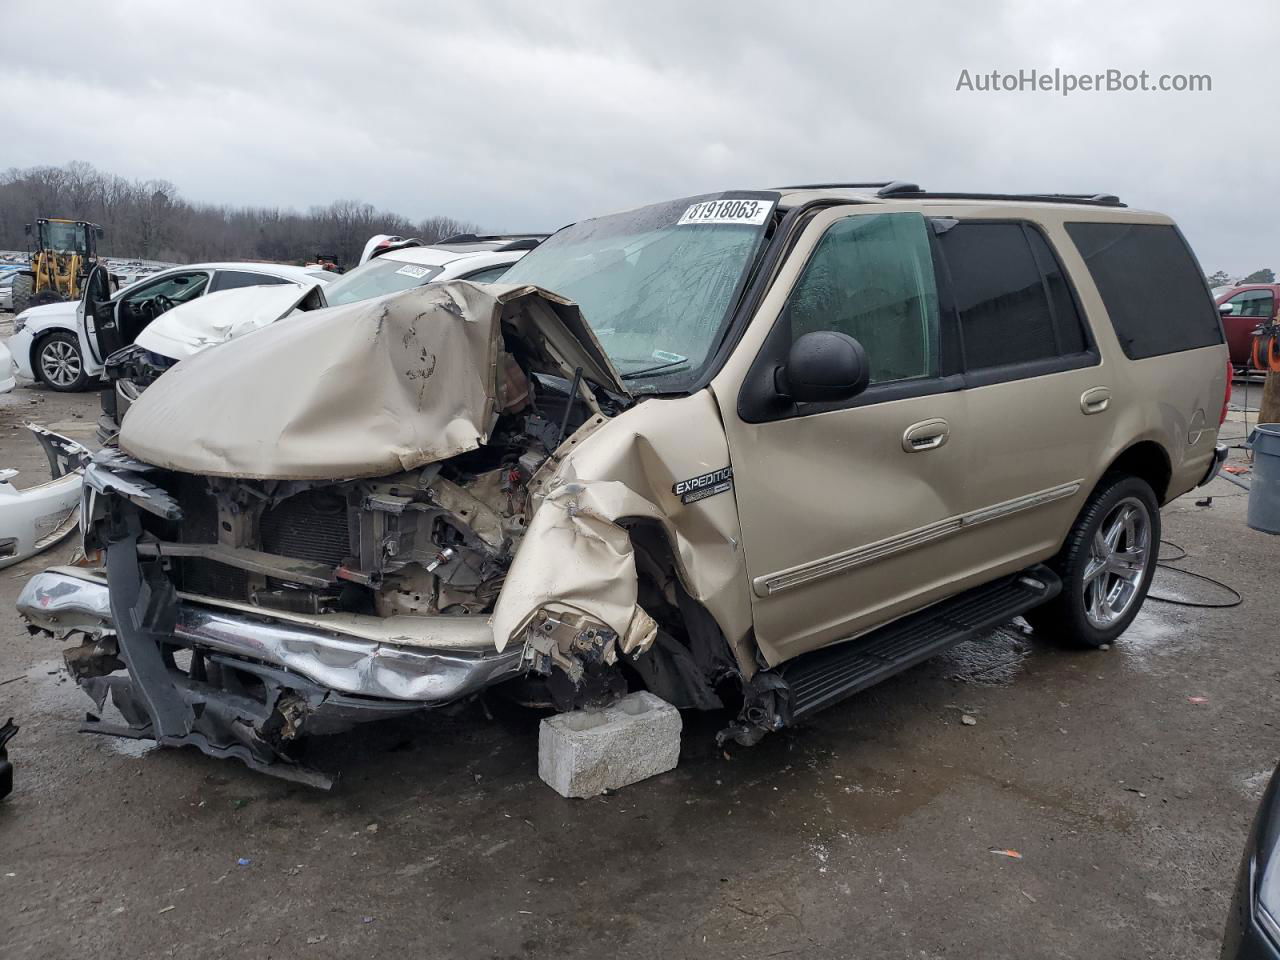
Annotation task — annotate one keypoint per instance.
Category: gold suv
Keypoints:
(756, 448)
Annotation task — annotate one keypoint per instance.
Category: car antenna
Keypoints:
(568, 407)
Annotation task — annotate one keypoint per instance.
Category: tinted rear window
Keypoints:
(1005, 315)
(1151, 286)
(234, 279)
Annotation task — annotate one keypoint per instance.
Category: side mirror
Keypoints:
(823, 366)
(1226, 309)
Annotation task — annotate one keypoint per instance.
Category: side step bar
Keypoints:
(821, 678)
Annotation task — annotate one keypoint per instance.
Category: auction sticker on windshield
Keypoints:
(751, 212)
(413, 270)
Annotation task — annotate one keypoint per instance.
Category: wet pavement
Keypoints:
(883, 828)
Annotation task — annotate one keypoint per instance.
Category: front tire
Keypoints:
(21, 292)
(59, 363)
(1106, 565)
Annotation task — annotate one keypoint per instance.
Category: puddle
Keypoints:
(993, 660)
(1151, 637)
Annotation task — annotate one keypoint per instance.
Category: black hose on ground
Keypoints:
(1167, 564)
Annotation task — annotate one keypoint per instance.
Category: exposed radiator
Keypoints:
(310, 526)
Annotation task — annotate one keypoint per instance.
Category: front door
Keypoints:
(1246, 311)
(854, 513)
(113, 324)
(98, 311)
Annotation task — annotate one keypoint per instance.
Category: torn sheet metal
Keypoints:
(361, 390)
(576, 558)
(612, 474)
(34, 519)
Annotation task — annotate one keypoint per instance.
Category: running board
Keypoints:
(825, 676)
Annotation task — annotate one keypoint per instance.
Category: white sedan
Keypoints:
(54, 344)
(7, 379)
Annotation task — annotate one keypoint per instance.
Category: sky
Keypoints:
(527, 116)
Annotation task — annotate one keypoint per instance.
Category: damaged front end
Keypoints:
(244, 598)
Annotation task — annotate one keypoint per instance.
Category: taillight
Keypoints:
(1226, 399)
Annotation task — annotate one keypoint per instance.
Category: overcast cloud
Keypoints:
(524, 116)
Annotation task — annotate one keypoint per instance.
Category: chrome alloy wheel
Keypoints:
(1119, 557)
(60, 363)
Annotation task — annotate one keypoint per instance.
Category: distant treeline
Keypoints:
(148, 219)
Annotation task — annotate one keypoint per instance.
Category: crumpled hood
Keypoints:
(361, 390)
(207, 321)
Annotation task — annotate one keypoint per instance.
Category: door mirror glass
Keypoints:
(823, 366)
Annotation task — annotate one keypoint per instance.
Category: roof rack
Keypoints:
(905, 189)
(829, 186)
(912, 192)
(491, 237)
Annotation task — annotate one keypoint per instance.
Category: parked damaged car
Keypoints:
(193, 327)
(752, 451)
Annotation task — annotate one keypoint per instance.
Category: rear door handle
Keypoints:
(925, 435)
(1095, 400)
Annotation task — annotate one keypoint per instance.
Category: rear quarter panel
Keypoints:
(1174, 400)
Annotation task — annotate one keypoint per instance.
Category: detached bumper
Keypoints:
(254, 685)
(1219, 458)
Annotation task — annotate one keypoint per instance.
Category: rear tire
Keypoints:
(1106, 565)
(21, 292)
(59, 363)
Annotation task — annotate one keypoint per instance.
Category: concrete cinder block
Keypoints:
(586, 752)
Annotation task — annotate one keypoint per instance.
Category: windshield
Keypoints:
(377, 278)
(655, 284)
(63, 237)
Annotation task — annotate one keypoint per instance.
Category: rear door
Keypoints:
(960, 462)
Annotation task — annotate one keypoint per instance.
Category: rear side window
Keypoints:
(1013, 302)
(872, 278)
(488, 275)
(231, 279)
(1151, 286)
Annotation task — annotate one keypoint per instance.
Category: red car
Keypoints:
(1243, 307)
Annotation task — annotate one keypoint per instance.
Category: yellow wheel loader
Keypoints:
(65, 251)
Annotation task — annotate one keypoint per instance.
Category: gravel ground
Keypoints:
(869, 832)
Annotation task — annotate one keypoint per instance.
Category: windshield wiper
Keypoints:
(683, 361)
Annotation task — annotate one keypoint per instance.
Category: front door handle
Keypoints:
(925, 435)
(1095, 400)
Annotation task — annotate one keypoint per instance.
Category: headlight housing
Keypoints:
(19, 323)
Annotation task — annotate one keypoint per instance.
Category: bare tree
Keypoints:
(150, 220)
